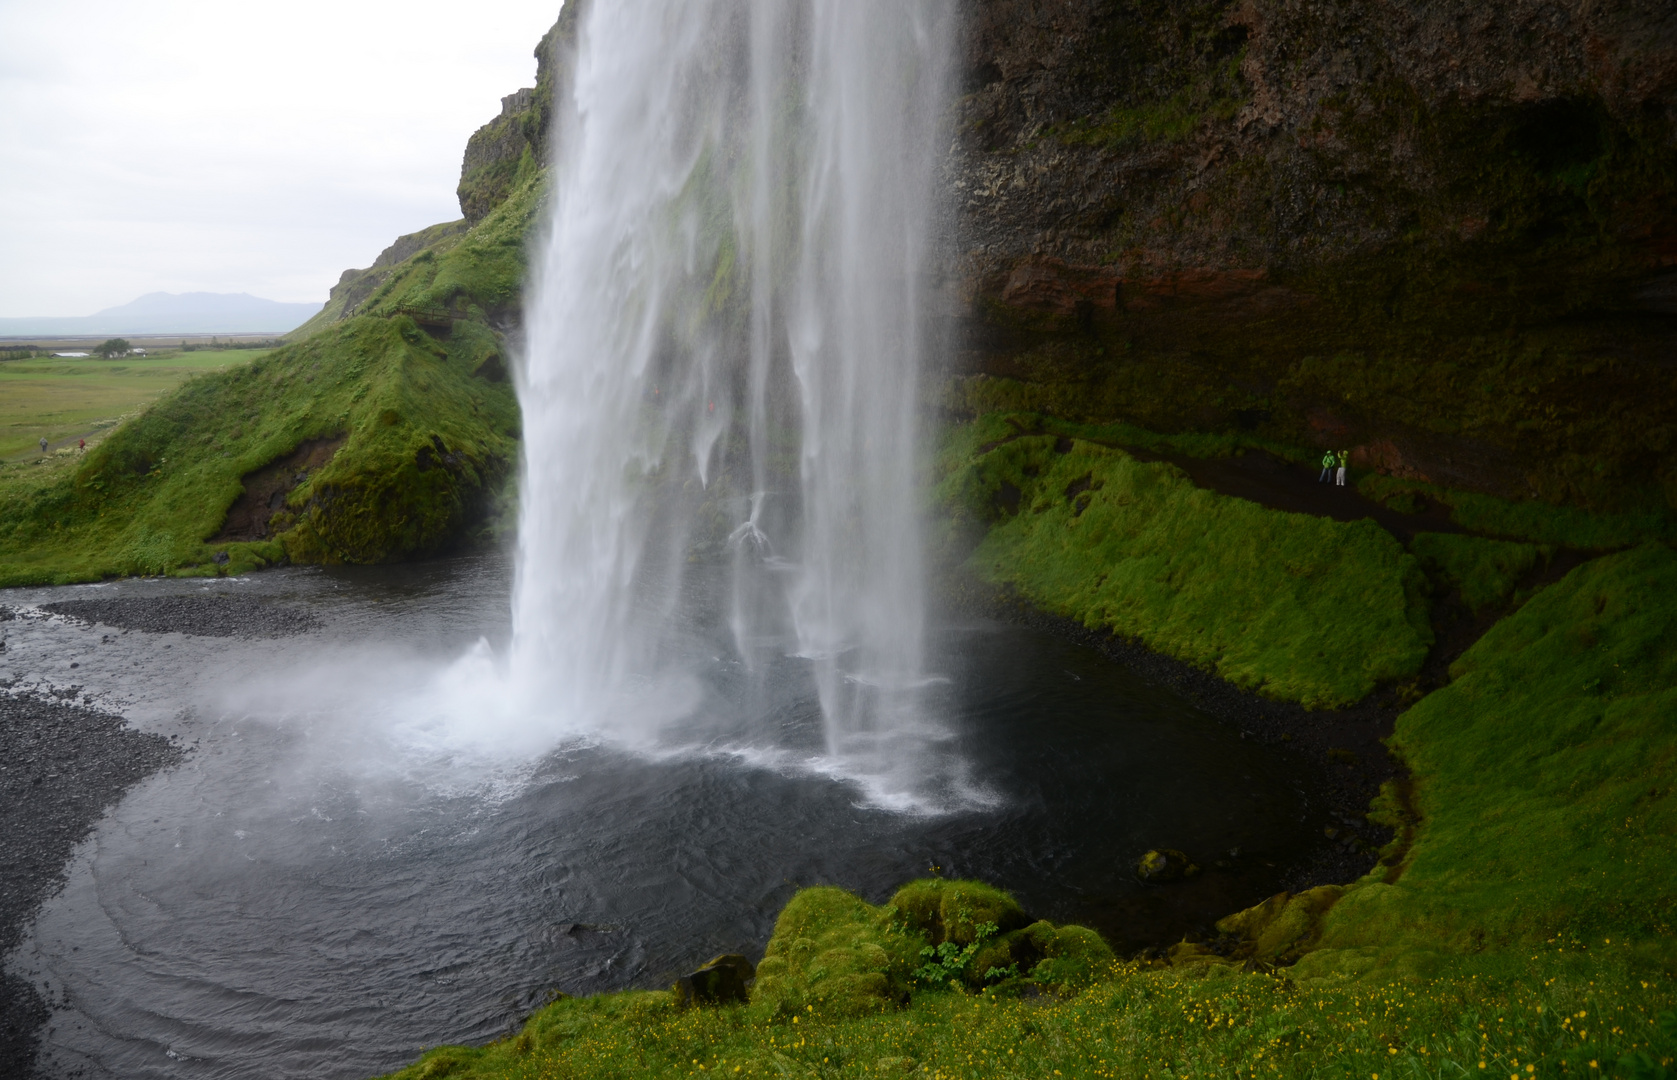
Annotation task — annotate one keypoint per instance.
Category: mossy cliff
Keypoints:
(502, 152)
(1519, 925)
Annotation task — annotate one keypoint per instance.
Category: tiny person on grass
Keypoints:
(43, 444)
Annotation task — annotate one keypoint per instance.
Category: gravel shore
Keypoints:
(62, 765)
(204, 616)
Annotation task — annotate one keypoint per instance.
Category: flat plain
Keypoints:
(65, 399)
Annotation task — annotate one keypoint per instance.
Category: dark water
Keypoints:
(291, 903)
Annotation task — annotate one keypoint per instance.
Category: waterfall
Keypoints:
(723, 352)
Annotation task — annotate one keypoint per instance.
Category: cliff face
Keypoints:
(506, 150)
(1442, 232)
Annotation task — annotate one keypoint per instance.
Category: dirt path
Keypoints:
(71, 443)
(1282, 485)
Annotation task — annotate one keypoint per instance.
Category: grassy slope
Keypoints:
(1527, 936)
(1297, 607)
(1486, 571)
(479, 273)
(1544, 780)
(149, 497)
(1536, 521)
(61, 398)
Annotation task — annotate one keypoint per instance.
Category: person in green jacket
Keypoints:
(1344, 459)
(1329, 460)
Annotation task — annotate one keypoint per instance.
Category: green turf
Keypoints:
(66, 399)
(1532, 520)
(1486, 571)
(1544, 781)
(1293, 606)
(1137, 1023)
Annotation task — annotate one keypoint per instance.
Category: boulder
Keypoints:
(954, 911)
(1165, 864)
(726, 980)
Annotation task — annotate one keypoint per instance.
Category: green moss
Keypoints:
(952, 911)
(1534, 520)
(834, 952)
(1543, 779)
(480, 272)
(1216, 95)
(1486, 571)
(1293, 606)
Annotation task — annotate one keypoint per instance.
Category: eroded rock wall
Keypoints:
(1443, 232)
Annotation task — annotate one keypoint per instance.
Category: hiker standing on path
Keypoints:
(81, 444)
(1344, 458)
(43, 444)
(1329, 460)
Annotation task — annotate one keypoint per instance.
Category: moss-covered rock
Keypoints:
(502, 153)
(954, 911)
(1162, 865)
(1064, 957)
(834, 951)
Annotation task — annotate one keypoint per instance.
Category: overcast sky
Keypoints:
(235, 146)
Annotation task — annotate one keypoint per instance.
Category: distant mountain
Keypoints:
(173, 313)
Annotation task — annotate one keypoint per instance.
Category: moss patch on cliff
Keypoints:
(1212, 95)
(479, 274)
(424, 446)
(1293, 606)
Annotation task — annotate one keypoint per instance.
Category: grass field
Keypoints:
(1296, 607)
(68, 399)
